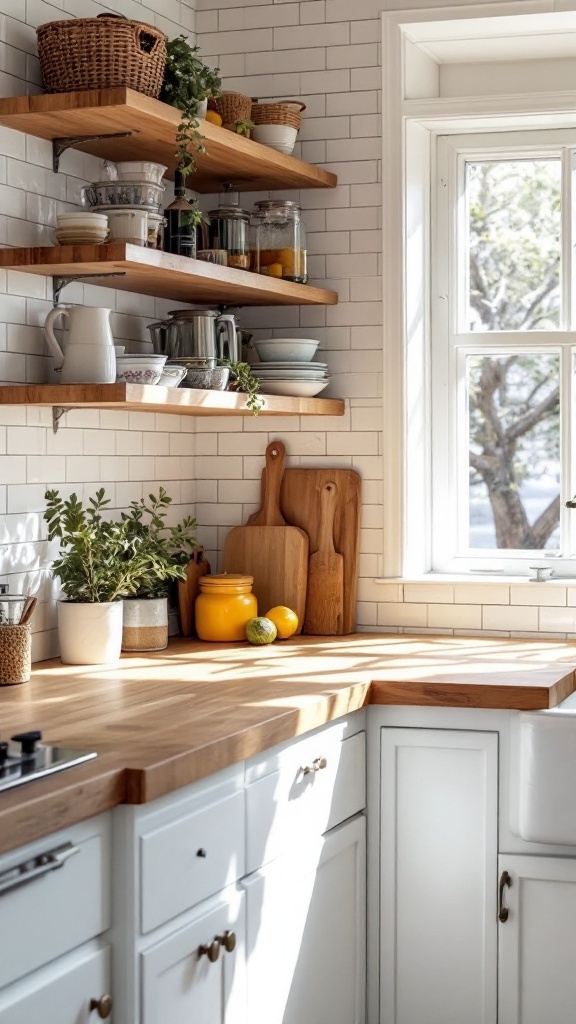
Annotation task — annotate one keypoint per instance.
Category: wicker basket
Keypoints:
(286, 113)
(232, 107)
(100, 53)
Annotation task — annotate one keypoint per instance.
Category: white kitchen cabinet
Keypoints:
(438, 876)
(197, 972)
(537, 941)
(68, 991)
(305, 946)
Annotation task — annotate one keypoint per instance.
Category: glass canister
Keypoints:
(278, 244)
(229, 230)
(224, 606)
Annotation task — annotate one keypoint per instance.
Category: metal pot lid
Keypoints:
(191, 314)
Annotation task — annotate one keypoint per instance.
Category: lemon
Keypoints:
(285, 620)
(213, 116)
(260, 630)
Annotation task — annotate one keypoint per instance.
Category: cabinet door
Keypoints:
(306, 945)
(179, 981)
(537, 942)
(438, 851)
(61, 992)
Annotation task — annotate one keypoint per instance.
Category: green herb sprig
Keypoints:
(245, 381)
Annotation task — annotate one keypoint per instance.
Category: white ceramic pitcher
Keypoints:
(89, 357)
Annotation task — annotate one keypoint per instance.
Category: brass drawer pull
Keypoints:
(103, 1006)
(228, 940)
(212, 951)
(317, 764)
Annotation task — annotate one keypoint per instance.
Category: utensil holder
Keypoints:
(15, 654)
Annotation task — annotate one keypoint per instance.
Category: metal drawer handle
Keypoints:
(212, 951)
(503, 911)
(103, 1006)
(35, 868)
(228, 940)
(317, 764)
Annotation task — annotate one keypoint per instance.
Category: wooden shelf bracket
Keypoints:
(65, 142)
(60, 281)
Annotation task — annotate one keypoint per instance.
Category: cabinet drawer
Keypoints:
(187, 860)
(311, 786)
(54, 896)
(60, 993)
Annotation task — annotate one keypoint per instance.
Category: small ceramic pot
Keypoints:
(90, 634)
(145, 624)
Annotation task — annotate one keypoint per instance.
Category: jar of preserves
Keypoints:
(224, 606)
(278, 244)
(229, 230)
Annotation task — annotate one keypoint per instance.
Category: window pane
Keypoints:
(513, 219)
(514, 451)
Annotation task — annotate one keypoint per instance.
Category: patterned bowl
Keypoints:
(139, 369)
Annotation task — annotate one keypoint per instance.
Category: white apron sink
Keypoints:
(543, 774)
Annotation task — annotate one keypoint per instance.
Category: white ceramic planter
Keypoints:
(90, 634)
(202, 109)
(145, 626)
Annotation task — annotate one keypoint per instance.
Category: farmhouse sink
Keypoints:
(543, 774)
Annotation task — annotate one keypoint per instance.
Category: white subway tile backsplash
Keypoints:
(402, 614)
(455, 616)
(507, 618)
(557, 620)
(433, 593)
(538, 594)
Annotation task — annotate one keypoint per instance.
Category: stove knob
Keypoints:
(28, 741)
(3, 752)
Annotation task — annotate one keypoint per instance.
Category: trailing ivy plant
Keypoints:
(245, 381)
(187, 82)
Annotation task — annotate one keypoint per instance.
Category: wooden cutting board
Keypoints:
(325, 600)
(189, 589)
(275, 554)
(300, 505)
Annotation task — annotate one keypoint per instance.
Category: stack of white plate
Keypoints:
(298, 379)
(285, 367)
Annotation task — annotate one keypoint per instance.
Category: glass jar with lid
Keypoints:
(224, 606)
(278, 244)
(229, 230)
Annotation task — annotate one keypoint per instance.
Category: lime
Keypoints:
(285, 620)
(260, 630)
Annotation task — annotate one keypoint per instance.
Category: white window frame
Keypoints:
(408, 127)
(450, 345)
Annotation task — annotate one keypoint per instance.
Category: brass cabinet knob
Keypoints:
(212, 951)
(317, 764)
(103, 1006)
(228, 940)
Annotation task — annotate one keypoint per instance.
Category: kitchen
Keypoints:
(212, 467)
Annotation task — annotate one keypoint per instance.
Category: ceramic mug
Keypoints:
(128, 226)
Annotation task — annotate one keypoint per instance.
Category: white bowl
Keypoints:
(83, 220)
(140, 170)
(139, 369)
(275, 349)
(276, 136)
(172, 376)
(293, 388)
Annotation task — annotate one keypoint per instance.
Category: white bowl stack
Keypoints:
(286, 367)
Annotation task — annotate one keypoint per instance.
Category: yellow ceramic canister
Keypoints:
(223, 607)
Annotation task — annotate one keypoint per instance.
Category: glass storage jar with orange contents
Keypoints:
(223, 607)
(278, 240)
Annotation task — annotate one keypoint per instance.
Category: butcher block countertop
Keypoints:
(161, 721)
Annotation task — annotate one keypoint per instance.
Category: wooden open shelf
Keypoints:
(151, 272)
(146, 398)
(228, 158)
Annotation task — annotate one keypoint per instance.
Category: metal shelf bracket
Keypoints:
(57, 414)
(60, 145)
(60, 281)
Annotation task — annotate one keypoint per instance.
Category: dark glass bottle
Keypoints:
(180, 227)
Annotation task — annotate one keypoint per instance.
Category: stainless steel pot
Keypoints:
(197, 334)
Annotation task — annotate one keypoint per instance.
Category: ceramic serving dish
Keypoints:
(139, 369)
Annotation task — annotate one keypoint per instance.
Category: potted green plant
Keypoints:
(163, 553)
(188, 83)
(102, 562)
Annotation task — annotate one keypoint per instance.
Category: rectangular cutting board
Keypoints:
(300, 505)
